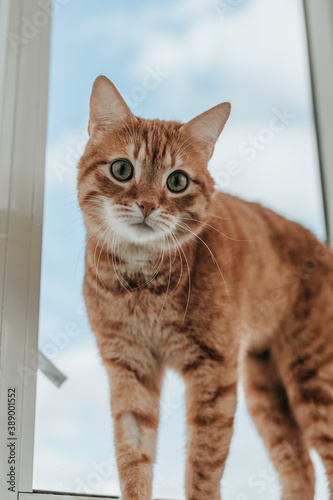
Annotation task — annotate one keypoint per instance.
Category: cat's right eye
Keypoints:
(177, 181)
(121, 170)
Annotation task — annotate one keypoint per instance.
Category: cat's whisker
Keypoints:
(121, 279)
(189, 276)
(99, 227)
(100, 253)
(168, 285)
(161, 225)
(96, 211)
(218, 217)
(159, 264)
(153, 276)
(59, 208)
(108, 251)
(97, 245)
(181, 262)
(211, 253)
(111, 251)
(96, 266)
(180, 249)
(209, 225)
(77, 222)
(95, 201)
(114, 265)
(174, 256)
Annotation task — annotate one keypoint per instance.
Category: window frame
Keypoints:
(43, 495)
(23, 111)
(319, 29)
(24, 89)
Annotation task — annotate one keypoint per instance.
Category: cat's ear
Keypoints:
(205, 129)
(107, 107)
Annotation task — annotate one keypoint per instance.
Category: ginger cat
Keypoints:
(182, 276)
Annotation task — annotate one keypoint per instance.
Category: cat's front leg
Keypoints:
(211, 404)
(135, 391)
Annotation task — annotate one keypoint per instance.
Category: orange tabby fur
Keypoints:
(235, 288)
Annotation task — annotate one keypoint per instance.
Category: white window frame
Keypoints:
(319, 24)
(23, 112)
(23, 97)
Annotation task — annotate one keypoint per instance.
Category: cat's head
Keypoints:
(145, 181)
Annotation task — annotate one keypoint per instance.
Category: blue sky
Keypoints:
(204, 52)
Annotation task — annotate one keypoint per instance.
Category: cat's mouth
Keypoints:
(142, 226)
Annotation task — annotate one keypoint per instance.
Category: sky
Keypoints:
(194, 54)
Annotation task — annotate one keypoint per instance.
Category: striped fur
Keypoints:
(219, 287)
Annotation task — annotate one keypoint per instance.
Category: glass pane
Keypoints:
(197, 55)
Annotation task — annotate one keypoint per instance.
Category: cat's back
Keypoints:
(289, 241)
(266, 257)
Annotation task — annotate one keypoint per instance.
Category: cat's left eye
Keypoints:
(177, 182)
(121, 170)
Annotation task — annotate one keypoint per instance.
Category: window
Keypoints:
(180, 59)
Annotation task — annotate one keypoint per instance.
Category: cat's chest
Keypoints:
(133, 306)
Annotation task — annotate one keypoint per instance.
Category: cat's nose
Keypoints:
(147, 207)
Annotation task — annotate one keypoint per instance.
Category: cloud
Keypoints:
(244, 57)
(241, 57)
